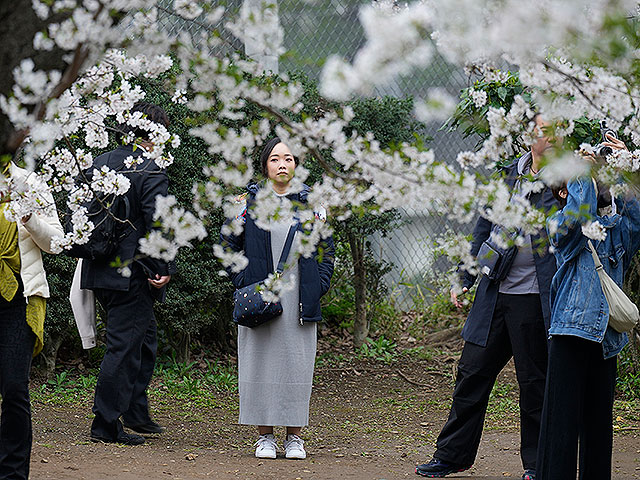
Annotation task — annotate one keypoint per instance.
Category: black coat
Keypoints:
(147, 181)
(315, 272)
(476, 328)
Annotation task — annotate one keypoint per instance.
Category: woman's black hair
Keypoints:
(555, 191)
(152, 112)
(266, 151)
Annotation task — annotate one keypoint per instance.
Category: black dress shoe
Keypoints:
(122, 438)
(149, 427)
(439, 469)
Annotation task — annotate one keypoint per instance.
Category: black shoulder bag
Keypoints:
(494, 260)
(249, 309)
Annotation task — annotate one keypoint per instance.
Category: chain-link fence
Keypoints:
(313, 30)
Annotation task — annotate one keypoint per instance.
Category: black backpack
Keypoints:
(110, 217)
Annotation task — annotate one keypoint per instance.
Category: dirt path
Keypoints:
(368, 422)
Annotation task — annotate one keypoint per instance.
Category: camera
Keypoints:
(600, 150)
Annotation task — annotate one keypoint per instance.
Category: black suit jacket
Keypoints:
(147, 182)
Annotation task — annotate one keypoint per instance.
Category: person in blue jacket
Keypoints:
(509, 318)
(581, 378)
(276, 359)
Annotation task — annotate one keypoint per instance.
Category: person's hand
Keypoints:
(614, 143)
(159, 281)
(590, 157)
(454, 297)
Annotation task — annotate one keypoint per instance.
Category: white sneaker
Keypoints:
(266, 446)
(294, 447)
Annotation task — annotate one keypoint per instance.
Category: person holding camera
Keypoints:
(509, 318)
(584, 342)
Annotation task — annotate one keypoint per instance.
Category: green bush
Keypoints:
(198, 303)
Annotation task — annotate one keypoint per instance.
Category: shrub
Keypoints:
(198, 302)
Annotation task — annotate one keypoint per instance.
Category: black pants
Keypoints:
(128, 363)
(517, 329)
(16, 349)
(578, 407)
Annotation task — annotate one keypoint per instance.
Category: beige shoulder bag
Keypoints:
(623, 313)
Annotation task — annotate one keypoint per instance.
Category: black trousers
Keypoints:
(578, 408)
(128, 363)
(517, 329)
(16, 349)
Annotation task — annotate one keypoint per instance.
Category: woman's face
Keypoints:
(281, 164)
(544, 141)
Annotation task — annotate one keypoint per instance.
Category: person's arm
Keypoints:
(155, 183)
(43, 228)
(326, 256)
(481, 232)
(629, 209)
(234, 243)
(565, 226)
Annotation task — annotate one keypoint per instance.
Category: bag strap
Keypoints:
(594, 254)
(287, 246)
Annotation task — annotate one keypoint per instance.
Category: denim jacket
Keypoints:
(578, 305)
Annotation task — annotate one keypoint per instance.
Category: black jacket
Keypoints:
(476, 328)
(315, 272)
(147, 182)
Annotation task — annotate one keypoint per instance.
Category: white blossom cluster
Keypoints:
(405, 44)
(178, 229)
(438, 106)
(479, 97)
(111, 96)
(594, 230)
(552, 43)
(187, 8)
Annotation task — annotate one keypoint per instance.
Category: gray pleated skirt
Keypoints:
(276, 360)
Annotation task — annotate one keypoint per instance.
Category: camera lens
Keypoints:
(603, 151)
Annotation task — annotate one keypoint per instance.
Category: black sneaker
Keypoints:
(438, 469)
(122, 438)
(149, 427)
(529, 475)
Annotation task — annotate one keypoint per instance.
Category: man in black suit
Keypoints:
(129, 361)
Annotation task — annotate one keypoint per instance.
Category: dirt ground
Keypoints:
(369, 420)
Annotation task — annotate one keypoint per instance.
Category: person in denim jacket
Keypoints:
(581, 376)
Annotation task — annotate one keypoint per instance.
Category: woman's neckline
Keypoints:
(280, 194)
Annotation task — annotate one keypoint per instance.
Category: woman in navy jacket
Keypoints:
(276, 359)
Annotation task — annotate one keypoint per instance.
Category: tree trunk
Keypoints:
(183, 348)
(16, 43)
(361, 322)
(50, 354)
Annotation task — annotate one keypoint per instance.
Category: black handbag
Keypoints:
(494, 261)
(249, 308)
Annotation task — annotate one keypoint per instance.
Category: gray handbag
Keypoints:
(623, 313)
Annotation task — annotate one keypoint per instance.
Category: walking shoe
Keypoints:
(122, 438)
(438, 469)
(294, 447)
(529, 475)
(149, 427)
(266, 446)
